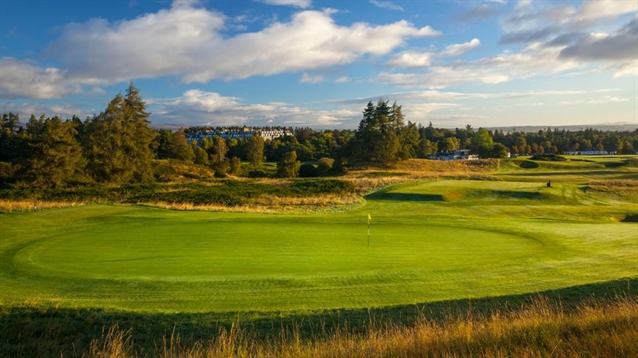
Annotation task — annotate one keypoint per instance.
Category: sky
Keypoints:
(317, 63)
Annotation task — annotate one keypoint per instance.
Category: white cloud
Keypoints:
(458, 49)
(506, 66)
(296, 3)
(627, 69)
(343, 79)
(409, 59)
(196, 107)
(598, 100)
(24, 79)
(386, 5)
(25, 110)
(306, 78)
(593, 10)
(415, 59)
(187, 42)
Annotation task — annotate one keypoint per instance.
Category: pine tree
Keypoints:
(54, 156)
(118, 143)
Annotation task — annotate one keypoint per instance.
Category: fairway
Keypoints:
(430, 241)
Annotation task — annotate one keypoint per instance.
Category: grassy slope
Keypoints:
(431, 241)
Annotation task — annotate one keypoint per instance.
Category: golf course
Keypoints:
(429, 241)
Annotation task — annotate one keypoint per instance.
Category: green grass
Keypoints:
(433, 245)
(430, 241)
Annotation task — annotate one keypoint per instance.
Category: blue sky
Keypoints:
(317, 63)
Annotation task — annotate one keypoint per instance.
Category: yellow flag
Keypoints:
(369, 217)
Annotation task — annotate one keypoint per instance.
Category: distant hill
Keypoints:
(621, 127)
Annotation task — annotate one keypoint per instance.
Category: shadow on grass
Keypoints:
(405, 197)
(27, 331)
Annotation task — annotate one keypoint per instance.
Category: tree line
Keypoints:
(118, 146)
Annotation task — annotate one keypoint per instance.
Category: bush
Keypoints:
(324, 165)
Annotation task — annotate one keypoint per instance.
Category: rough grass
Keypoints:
(541, 328)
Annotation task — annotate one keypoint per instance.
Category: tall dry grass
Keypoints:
(540, 329)
(270, 204)
(7, 206)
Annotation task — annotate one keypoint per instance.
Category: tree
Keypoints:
(409, 141)
(164, 144)
(255, 151)
(201, 157)
(387, 147)
(378, 135)
(54, 155)
(118, 143)
(498, 150)
(324, 164)
(426, 148)
(181, 149)
(482, 143)
(9, 141)
(288, 166)
(448, 144)
(627, 148)
(219, 150)
(235, 165)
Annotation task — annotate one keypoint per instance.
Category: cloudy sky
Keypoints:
(317, 63)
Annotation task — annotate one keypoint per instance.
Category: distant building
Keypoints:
(463, 154)
(244, 132)
(590, 152)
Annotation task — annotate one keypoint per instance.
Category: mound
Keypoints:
(548, 158)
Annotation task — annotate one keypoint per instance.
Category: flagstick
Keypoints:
(368, 232)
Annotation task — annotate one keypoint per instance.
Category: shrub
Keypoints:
(324, 164)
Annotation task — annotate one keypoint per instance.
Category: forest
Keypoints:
(118, 146)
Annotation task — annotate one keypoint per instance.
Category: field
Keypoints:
(430, 241)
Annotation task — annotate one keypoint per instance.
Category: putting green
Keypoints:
(429, 241)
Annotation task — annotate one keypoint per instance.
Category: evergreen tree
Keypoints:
(164, 144)
(378, 135)
(409, 141)
(54, 156)
(9, 140)
(118, 143)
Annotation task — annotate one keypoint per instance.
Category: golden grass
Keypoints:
(7, 206)
(540, 329)
(270, 204)
(613, 185)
